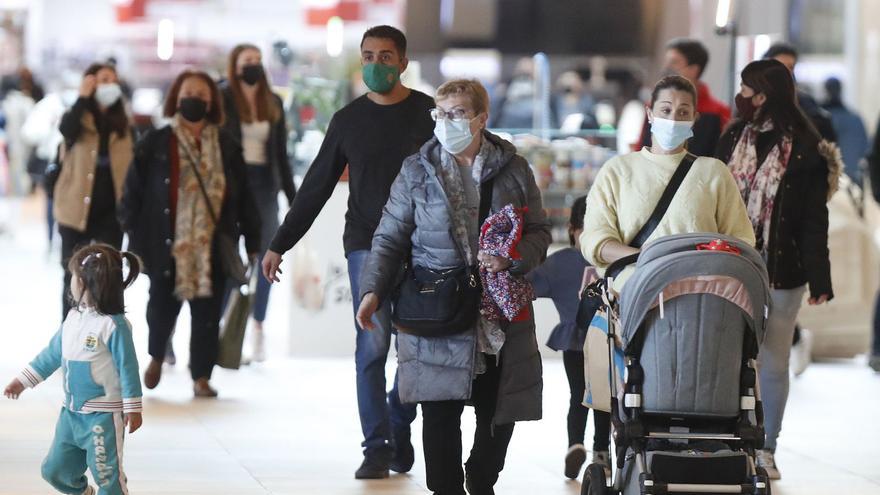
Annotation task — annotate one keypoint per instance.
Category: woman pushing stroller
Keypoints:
(628, 187)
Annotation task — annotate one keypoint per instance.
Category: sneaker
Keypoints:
(258, 351)
(574, 460)
(371, 469)
(404, 455)
(89, 490)
(801, 353)
(767, 460)
(604, 458)
(874, 362)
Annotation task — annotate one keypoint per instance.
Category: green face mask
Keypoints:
(380, 78)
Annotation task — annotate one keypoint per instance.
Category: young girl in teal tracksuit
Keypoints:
(561, 278)
(102, 389)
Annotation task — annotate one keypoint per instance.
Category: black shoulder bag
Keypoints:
(227, 246)
(439, 303)
(591, 297)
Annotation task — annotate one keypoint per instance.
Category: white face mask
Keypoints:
(454, 136)
(670, 134)
(107, 94)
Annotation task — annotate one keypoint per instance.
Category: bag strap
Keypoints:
(665, 200)
(659, 211)
(486, 191)
(195, 170)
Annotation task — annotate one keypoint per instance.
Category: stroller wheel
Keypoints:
(594, 481)
(762, 475)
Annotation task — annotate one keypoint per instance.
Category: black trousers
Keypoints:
(163, 309)
(577, 412)
(442, 440)
(107, 232)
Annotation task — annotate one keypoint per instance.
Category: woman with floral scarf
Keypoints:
(785, 173)
(186, 188)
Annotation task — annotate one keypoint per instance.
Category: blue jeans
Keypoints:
(381, 412)
(773, 358)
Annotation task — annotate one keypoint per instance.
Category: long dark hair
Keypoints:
(99, 268)
(267, 109)
(115, 116)
(781, 106)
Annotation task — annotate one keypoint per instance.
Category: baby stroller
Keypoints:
(686, 414)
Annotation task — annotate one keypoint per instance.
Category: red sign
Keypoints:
(347, 10)
(134, 10)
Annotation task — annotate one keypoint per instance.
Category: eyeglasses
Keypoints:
(457, 115)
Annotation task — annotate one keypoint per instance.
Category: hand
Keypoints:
(87, 87)
(815, 301)
(271, 264)
(133, 421)
(14, 389)
(369, 305)
(493, 264)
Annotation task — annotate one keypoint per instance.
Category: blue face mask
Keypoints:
(670, 134)
(455, 137)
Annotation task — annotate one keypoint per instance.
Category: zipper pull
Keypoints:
(662, 311)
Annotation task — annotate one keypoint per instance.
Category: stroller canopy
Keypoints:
(673, 266)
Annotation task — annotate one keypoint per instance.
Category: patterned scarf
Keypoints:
(490, 337)
(194, 226)
(758, 183)
(464, 221)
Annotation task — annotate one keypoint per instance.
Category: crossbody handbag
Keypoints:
(591, 297)
(439, 303)
(227, 246)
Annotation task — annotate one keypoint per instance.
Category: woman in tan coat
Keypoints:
(97, 150)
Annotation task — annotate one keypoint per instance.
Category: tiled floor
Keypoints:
(290, 426)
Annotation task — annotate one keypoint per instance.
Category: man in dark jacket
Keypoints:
(688, 58)
(851, 134)
(372, 135)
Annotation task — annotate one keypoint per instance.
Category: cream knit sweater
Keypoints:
(629, 186)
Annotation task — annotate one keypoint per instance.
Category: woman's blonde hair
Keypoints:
(470, 88)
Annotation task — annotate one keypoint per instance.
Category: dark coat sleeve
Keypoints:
(71, 122)
(812, 234)
(317, 187)
(874, 164)
(135, 182)
(536, 237)
(285, 170)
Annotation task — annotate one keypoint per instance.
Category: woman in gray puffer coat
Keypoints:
(432, 216)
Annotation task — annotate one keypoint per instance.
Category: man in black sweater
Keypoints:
(372, 135)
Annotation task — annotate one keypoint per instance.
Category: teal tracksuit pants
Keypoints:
(86, 441)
